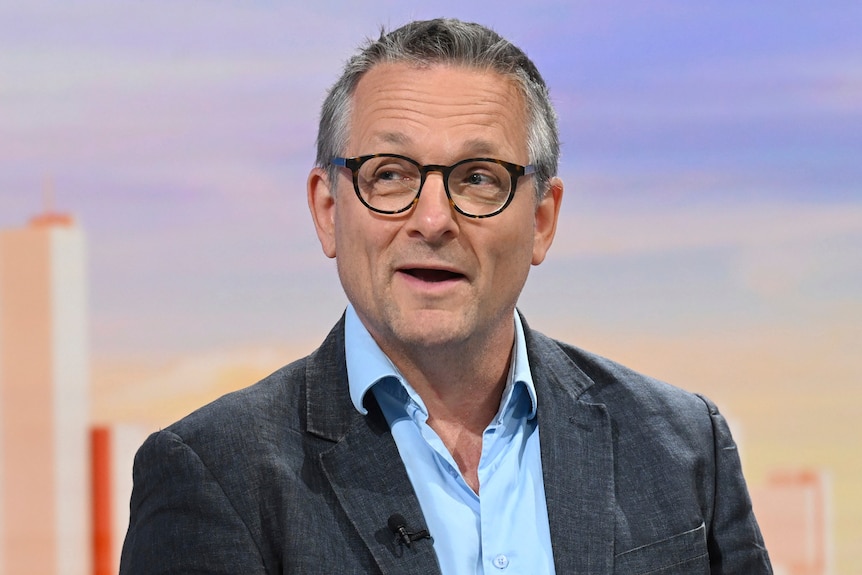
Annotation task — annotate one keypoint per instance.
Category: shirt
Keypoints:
(502, 531)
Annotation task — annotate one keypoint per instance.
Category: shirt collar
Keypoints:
(367, 364)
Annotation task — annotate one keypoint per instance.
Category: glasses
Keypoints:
(476, 187)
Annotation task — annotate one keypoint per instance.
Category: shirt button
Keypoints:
(501, 561)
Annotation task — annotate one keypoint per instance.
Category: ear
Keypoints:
(547, 213)
(321, 203)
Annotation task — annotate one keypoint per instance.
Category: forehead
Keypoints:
(441, 109)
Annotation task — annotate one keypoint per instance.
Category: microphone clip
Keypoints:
(398, 525)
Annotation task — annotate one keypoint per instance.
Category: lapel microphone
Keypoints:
(398, 526)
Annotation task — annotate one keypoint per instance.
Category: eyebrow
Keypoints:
(479, 146)
(396, 138)
(476, 146)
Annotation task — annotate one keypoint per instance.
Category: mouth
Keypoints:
(432, 275)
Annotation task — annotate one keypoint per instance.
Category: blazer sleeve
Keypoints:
(182, 521)
(735, 543)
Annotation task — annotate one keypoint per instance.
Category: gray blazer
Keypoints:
(287, 477)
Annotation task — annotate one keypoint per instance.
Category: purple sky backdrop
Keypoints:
(711, 229)
(712, 154)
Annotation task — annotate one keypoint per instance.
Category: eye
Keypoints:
(391, 174)
(480, 175)
(386, 171)
(480, 179)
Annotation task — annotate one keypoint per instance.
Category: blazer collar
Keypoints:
(576, 444)
(363, 465)
(328, 409)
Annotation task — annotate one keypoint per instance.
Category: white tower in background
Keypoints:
(44, 400)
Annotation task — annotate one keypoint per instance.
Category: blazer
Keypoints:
(287, 477)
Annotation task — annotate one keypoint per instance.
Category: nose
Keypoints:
(433, 216)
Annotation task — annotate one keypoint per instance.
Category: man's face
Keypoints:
(431, 277)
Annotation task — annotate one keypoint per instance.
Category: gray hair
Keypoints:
(445, 41)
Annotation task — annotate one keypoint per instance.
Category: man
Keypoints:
(434, 431)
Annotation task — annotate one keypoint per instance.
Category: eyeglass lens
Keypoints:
(477, 187)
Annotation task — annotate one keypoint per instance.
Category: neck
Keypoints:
(462, 397)
(461, 386)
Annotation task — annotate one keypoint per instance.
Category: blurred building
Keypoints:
(113, 449)
(794, 512)
(44, 380)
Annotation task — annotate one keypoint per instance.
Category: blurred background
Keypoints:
(156, 250)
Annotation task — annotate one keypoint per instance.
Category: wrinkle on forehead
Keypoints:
(464, 110)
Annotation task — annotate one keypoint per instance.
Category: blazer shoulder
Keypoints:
(275, 402)
(211, 469)
(621, 389)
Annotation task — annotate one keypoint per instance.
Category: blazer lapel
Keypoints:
(363, 466)
(365, 470)
(370, 481)
(577, 461)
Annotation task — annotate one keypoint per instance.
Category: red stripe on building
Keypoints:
(100, 443)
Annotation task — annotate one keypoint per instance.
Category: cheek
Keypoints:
(361, 245)
(518, 242)
(510, 254)
(350, 230)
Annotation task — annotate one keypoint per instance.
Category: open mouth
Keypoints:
(428, 275)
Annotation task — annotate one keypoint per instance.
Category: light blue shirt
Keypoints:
(503, 532)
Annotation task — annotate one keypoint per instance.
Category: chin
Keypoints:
(432, 329)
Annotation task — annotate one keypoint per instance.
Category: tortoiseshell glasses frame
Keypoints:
(391, 183)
